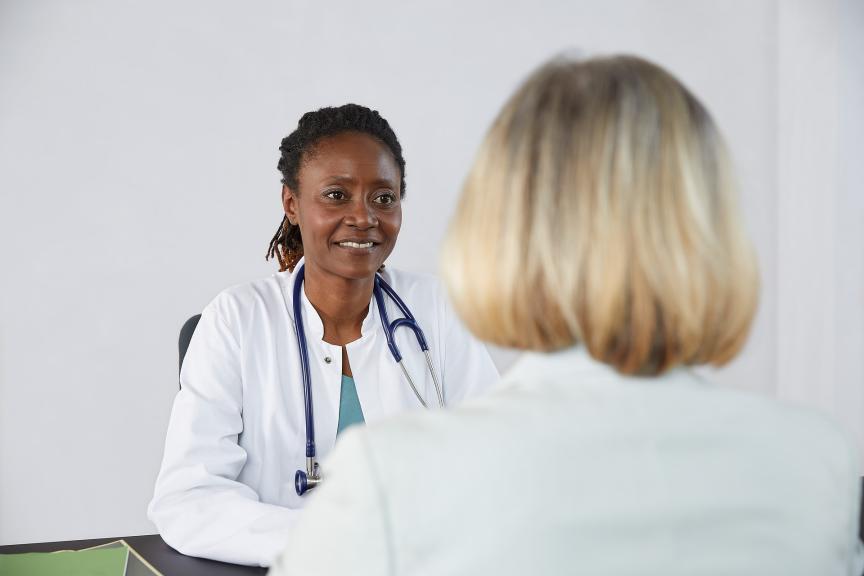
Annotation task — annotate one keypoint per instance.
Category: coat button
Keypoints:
(328, 360)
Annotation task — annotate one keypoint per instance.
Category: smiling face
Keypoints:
(348, 205)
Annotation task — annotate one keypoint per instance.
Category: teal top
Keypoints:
(350, 412)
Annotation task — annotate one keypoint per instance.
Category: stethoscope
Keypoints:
(304, 481)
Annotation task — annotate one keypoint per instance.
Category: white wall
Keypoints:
(820, 203)
(138, 144)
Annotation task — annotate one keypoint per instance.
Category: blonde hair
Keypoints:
(601, 210)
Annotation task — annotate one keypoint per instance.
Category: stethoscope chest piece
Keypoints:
(304, 481)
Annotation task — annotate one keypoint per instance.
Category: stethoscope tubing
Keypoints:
(303, 481)
(390, 328)
(304, 362)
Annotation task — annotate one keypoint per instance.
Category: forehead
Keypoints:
(352, 154)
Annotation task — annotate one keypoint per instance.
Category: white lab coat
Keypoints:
(568, 467)
(237, 435)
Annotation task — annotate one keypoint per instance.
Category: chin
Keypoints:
(349, 266)
(356, 270)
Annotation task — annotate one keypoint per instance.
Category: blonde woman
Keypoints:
(598, 230)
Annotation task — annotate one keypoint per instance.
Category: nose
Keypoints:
(361, 215)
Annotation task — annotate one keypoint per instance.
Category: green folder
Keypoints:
(111, 559)
(99, 562)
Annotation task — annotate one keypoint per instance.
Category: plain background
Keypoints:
(138, 146)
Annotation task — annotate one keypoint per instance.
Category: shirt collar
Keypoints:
(576, 363)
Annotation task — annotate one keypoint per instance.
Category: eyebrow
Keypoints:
(350, 180)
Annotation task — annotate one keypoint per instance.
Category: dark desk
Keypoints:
(154, 550)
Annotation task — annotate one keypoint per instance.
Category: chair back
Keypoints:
(186, 336)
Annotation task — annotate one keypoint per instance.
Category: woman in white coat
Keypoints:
(237, 434)
(598, 230)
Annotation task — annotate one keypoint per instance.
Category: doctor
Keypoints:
(237, 434)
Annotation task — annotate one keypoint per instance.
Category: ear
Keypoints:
(289, 204)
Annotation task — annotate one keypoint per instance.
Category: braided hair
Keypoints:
(287, 244)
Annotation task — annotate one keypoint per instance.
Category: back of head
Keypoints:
(601, 210)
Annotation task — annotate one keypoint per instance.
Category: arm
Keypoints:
(199, 506)
(345, 528)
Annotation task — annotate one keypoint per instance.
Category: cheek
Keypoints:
(394, 223)
(314, 225)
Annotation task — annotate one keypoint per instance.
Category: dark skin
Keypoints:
(349, 211)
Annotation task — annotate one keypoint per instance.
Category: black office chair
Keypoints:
(185, 336)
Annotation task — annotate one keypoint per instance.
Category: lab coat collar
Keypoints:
(313, 324)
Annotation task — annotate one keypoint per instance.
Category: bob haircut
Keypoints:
(601, 210)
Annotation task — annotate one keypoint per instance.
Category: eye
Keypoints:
(335, 194)
(385, 198)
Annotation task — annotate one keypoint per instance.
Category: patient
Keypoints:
(598, 230)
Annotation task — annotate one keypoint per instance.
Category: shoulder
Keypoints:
(422, 292)
(792, 439)
(764, 414)
(421, 283)
(242, 301)
(807, 431)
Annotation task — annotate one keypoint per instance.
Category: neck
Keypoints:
(342, 303)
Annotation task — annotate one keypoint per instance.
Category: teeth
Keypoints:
(356, 244)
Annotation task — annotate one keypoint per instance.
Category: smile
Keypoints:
(356, 244)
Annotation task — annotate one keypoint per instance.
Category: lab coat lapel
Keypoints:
(326, 366)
